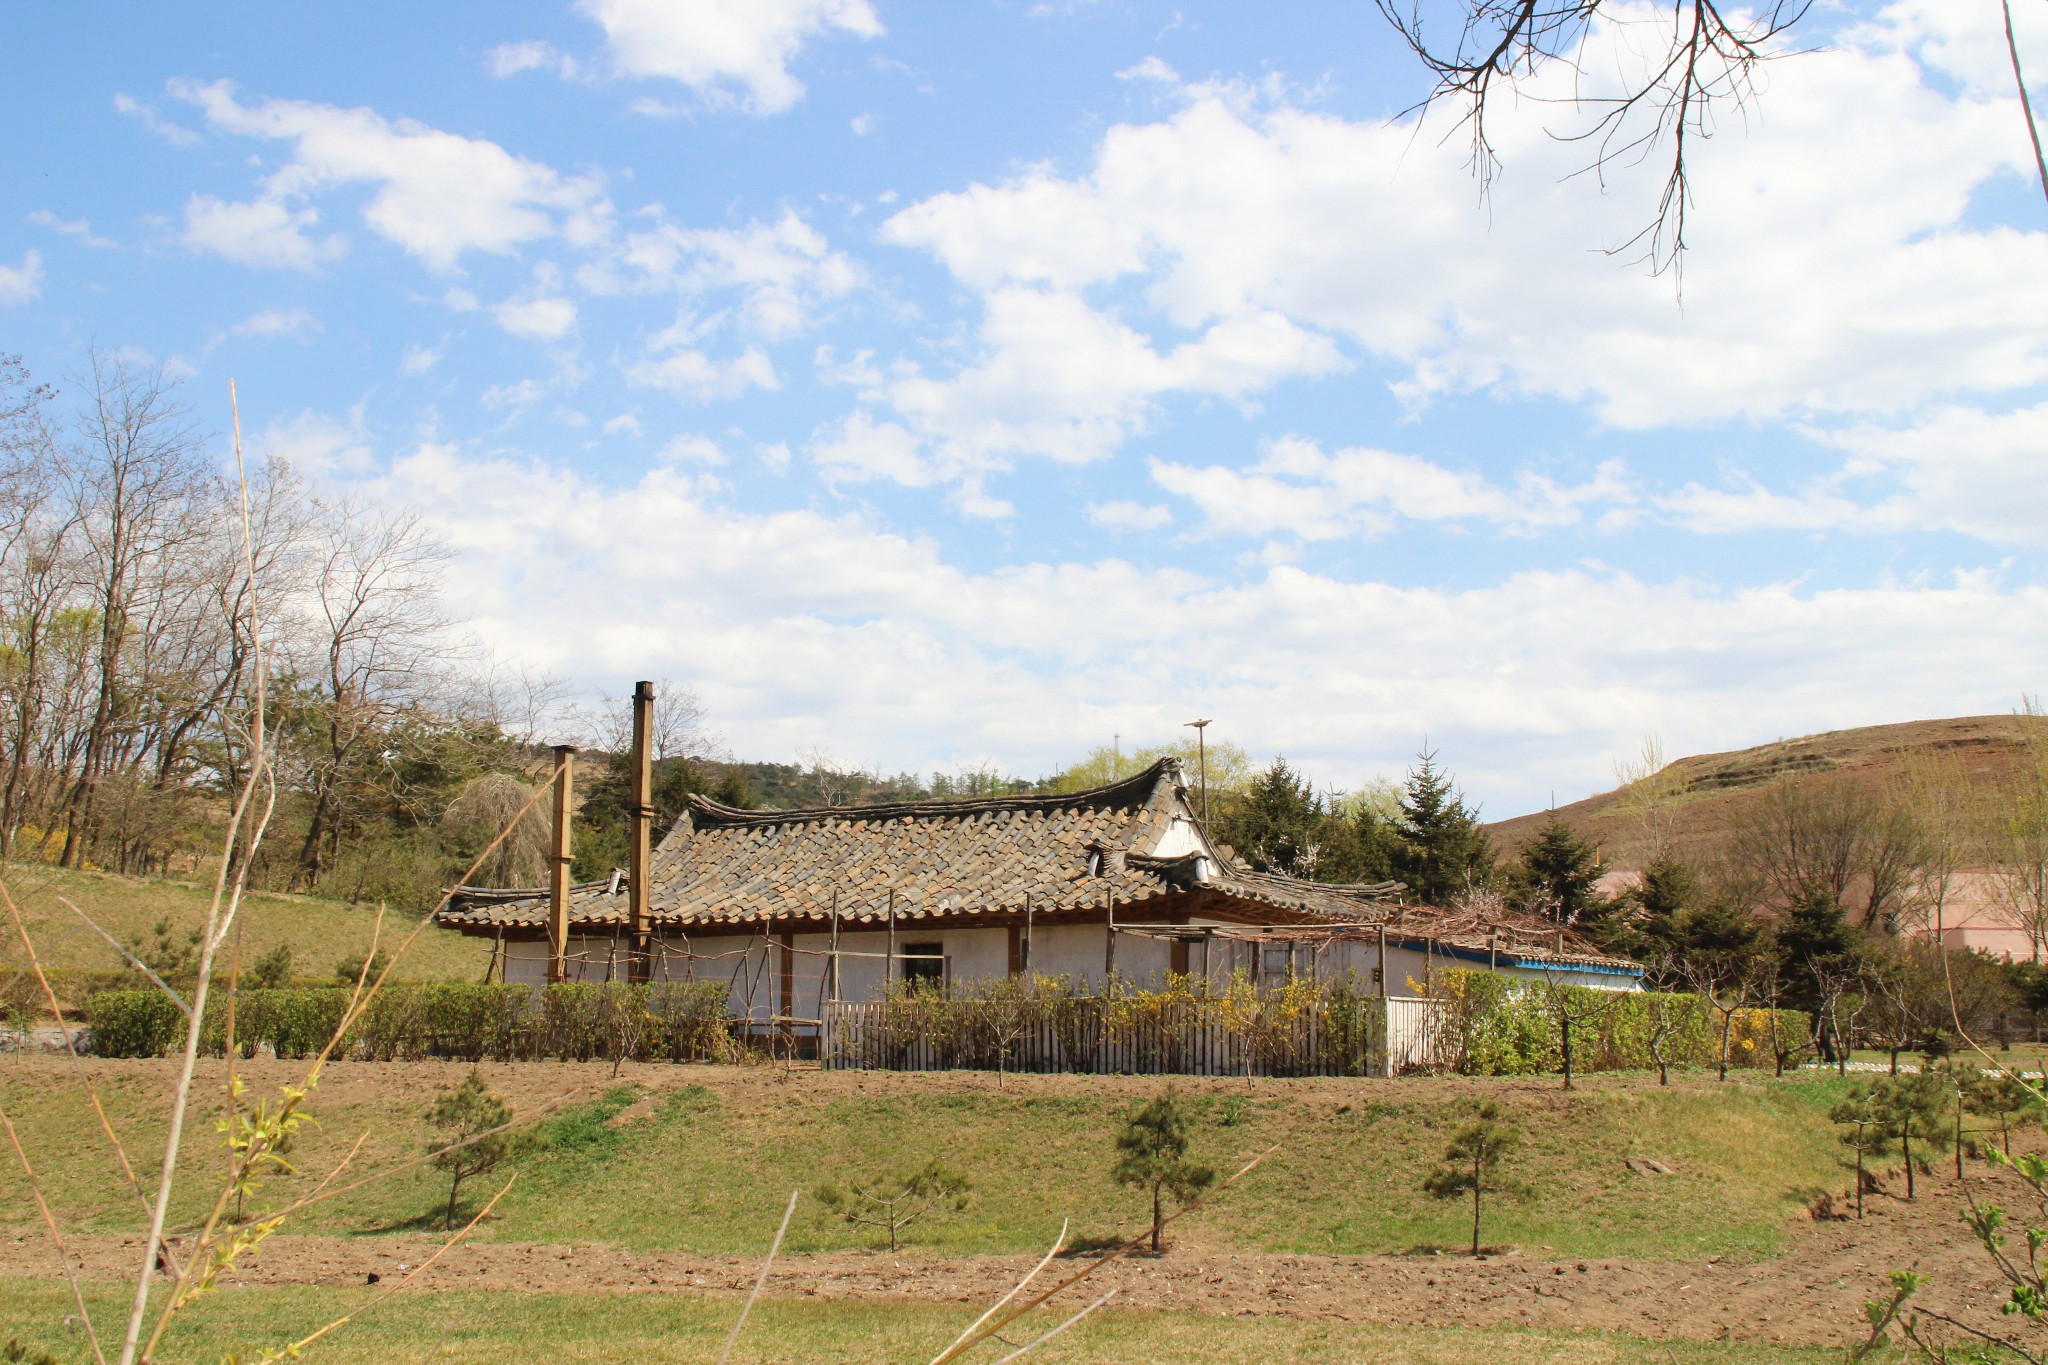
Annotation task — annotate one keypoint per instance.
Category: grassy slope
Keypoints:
(320, 932)
(702, 1165)
(475, 1327)
(1719, 786)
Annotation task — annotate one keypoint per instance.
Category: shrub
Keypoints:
(134, 1023)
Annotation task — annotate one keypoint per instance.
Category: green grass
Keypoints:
(707, 1163)
(320, 932)
(478, 1326)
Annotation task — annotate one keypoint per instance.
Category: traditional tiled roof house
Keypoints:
(799, 907)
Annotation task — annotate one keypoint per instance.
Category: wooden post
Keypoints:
(835, 947)
(640, 819)
(558, 877)
(1108, 940)
(1027, 935)
(889, 963)
(1016, 959)
(786, 985)
(1383, 962)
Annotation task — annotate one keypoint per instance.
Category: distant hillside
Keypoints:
(1713, 789)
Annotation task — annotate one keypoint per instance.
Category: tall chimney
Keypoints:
(641, 823)
(558, 874)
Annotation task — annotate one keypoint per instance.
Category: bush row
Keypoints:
(668, 1021)
(1493, 1025)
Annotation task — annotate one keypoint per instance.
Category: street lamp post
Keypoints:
(1201, 728)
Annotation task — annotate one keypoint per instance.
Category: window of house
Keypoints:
(924, 962)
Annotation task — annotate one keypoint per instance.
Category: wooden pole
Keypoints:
(834, 963)
(1108, 940)
(640, 843)
(1383, 962)
(889, 964)
(558, 877)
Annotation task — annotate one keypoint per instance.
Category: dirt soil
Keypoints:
(1813, 1294)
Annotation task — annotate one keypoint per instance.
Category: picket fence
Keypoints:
(1366, 1036)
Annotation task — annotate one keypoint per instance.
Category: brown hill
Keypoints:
(1708, 792)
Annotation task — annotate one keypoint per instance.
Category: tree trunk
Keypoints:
(1859, 1178)
(1476, 1183)
(1156, 1220)
(1727, 1028)
(1565, 1034)
(1906, 1139)
(454, 1188)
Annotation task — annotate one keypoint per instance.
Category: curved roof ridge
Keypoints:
(1133, 790)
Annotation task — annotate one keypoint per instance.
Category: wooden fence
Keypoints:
(1361, 1036)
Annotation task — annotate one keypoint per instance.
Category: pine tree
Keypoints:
(1277, 824)
(1153, 1154)
(1557, 874)
(1814, 936)
(1472, 1162)
(466, 1114)
(1446, 851)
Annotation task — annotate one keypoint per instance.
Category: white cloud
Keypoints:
(1808, 290)
(1296, 488)
(540, 318)
(799, 624)
(1130, 516)
(690, 449)
(715, 46)
(418, 359)
(78, 229)
(20, 283)
(1058, 379)
(625, 424)
(318, 445)
(266, 233)
(862, 124)
(147, 116)
(783, 272)
(436, 194)
(509, 59)
(858, 449)
(515, 398)
(696, 377)
(293, 323)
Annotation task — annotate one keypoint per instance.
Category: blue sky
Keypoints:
(944, 384)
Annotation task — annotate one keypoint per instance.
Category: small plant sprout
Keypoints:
(894, 1203)
(470, 1115)
(1866, 1129)
(1472, 1162)
(1152, 1153)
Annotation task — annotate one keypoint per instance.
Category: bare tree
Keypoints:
(378, 644)
(1831, 837)
(1700, 59)
(2019, 838)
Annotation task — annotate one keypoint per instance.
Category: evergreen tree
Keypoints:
(470, 1114)
(1277, 825)
(1557, 873)
(1473, 1160)
(1445, 852)
(1814, 936)
(1152, 1153)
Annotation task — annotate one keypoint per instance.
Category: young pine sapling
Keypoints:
(1472, 1163)
(273, 970)
(1866, 1129)
(894, 1203)
(1915, 1106)
(1152, 1153)
(469, 1114)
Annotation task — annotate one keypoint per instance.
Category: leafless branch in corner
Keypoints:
(1709, 60)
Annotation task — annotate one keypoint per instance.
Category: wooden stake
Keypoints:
(1109, 940)
(833, 963)
(640, 816)
(889, 963)
(558, 880)
(1383, 962)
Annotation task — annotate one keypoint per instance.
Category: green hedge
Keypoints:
(1494, 1025)
(670, 1021)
